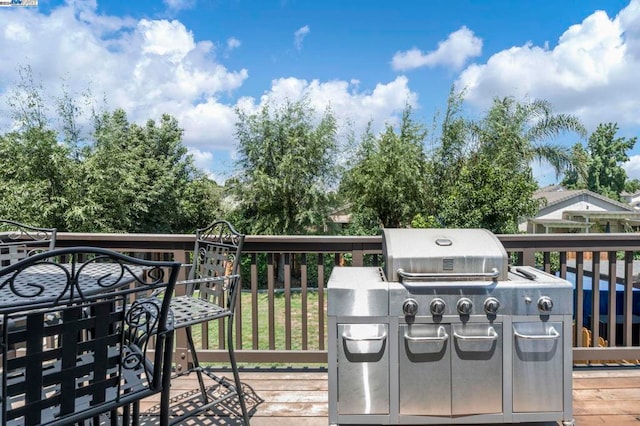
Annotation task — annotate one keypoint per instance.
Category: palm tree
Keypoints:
(525, 129)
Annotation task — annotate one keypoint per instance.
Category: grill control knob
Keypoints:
(437, 306)
(545, 304)
(464, 306)
(491, 306)
(410, 307)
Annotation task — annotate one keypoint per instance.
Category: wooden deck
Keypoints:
(298, 397)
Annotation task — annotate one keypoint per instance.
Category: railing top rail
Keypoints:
(572, 242)
(328, 244)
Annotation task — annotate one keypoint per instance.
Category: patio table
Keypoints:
(46, 282)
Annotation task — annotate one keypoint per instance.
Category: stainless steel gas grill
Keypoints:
(446, 333)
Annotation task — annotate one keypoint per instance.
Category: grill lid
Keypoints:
(413, 255)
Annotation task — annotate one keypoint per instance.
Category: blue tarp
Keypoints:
(587, 285)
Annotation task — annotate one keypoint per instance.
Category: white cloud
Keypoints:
(352, 107)
(164, 38)
(591, 72)
(453, 52)
(233, 43)
(177, 5)
(299, 36)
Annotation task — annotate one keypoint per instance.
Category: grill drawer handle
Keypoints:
(441, 337)
(347, 336)
(491, 335)
(553, 334)
(495, 273)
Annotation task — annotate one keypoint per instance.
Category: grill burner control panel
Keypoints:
(464, 306)
(538, 294)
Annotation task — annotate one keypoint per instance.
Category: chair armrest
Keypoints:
(204, 280)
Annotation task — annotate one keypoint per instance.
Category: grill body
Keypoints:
(447, 334)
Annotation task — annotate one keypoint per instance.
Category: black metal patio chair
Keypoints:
(112, 344)
(18, 240)
(210, 294)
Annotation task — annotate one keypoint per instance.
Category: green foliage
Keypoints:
(489, 194)
(553, 259)
(482, 170)
(388, 177)
(34, 177)
(523, 128)
(420, 221)
(27, 103)
(599, 167)
(364, 221)
(454, 147)
(126, 178)
(607, 154)
(632, 186)
(576, 177)
(286, 167)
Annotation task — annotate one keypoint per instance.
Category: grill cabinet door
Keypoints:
(476, 364)
(425, 369)
(363, 369)
(537, 367)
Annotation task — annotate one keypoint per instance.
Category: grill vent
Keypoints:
(447, 264)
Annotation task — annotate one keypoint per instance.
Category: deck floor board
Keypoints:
(601, 396)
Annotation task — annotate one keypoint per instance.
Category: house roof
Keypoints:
(557, 194)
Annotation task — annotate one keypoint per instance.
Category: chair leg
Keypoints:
(126, 415)
(196, 364)
(135, 414)
(114, 419)
(234, 368)
(165, 396)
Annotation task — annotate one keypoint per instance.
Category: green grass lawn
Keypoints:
(279, 322)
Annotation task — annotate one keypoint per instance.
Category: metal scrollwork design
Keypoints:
(131, 360)
(142, 320)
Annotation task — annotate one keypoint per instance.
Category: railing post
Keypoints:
(181, 354)
(528, 257)
(357, 257)
(613, 315)
(579, 314)
(627, 328)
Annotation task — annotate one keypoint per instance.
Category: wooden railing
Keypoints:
(281, 316)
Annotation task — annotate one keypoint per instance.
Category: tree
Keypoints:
(607, 154)
(576, 177)
(122, 178)
(388, 176)
(450, 156)
(34, 177)
(599, 166)
(286, 167)
(482, 170)
(524, 129)
(489, 193)
(141, 179)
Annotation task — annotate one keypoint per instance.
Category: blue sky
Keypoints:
(200, 59)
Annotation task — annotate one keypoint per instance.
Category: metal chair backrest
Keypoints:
(85, 328)
(216, 254)
(18, 241)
